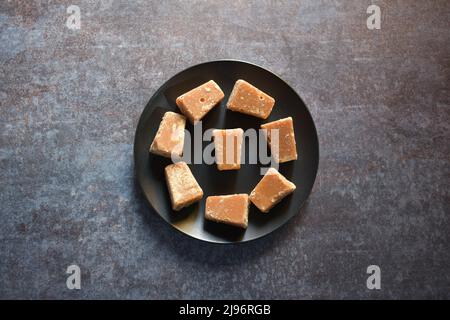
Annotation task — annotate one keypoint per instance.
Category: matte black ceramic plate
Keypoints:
(150, 168)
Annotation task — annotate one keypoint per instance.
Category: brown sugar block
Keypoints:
(183, 188)
(228, 145)
(170, 136)
(285, 143)
(229, 209)
(195, 104)
(272, 188)
(246, 98)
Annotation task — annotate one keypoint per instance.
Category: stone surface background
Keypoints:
(70, 101)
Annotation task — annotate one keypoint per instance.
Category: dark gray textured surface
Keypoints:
(70, 101)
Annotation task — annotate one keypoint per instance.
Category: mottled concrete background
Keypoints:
(70, 101)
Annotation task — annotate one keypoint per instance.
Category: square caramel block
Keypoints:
(183, 188)
(228, 145)
(246, 98)
(272, 188)
(283, 147)
(230, 209)
(170, 135)
(195, 104)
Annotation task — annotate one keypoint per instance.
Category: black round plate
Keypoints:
(150, 168)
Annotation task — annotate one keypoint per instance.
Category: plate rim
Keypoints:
(224, 242)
